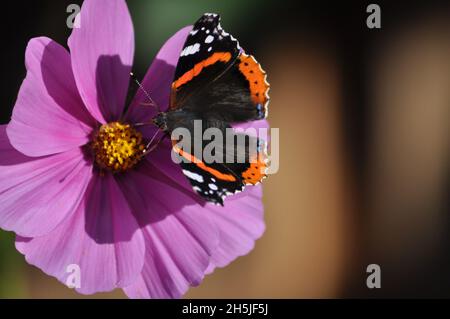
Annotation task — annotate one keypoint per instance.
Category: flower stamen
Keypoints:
(117, 147)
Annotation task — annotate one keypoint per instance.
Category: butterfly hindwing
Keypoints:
(211, 183)
(213, 180)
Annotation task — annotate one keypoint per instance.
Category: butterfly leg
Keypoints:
(152, 146)
(152, 104)
(143, 123)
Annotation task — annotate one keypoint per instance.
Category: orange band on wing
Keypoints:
(200, 164)
(256, 78)
(257, 170)
(189, 75)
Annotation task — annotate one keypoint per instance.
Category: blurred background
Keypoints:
(364, 143)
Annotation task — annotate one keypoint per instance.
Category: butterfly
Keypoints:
(217, 83)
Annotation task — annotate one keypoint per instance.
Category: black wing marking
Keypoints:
(207, 46)
(239, 160)
(208, 185)
(206, 37)
(239, 95)
(216, 79)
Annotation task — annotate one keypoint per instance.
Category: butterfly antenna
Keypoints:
(145, 92)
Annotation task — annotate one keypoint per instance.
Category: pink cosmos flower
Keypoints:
(143, 229)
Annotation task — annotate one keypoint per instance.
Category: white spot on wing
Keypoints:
(213, 187)
(190, 49)
(209, 39)
(194, 176)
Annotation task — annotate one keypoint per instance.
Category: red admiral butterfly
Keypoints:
(217, 83)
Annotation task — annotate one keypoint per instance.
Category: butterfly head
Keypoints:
(160, 120)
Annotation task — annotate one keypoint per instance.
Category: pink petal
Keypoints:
(179, 235)
(37, 194)
(240, 223)
(253, 124)
(162, 162)
(158, 80)
(102, 55)
(102, 238)
(49, 116)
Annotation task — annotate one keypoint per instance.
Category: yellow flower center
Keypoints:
(117, 147)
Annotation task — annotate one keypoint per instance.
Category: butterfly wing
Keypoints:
(216, 82)
(214, 78)
(217, 178)
(208, 51)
